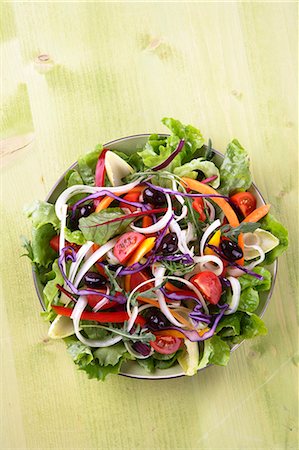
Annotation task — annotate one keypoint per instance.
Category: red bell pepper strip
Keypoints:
(104, 317)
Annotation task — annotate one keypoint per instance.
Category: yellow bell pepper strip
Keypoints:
(104, 203)
(146, 246)
(215, 240)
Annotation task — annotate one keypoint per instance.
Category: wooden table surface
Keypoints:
(116, 70)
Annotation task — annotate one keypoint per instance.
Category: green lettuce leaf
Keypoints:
(147, 364)
(75, 237)
(248, 281)
(101, 234)
(269, 223)
(159, 149)
(206, 167)
(229, 325)
(72, 178)
(87, 165)
(50, 290)
(249, 300)
(216, 351)
(133, 160)
(251, 326)
(81, 353)
(43, 254)
(234, 171)
(42, 213)
(95, 371)
(110, 355)
(166, 363)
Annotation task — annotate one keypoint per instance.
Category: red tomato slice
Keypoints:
(138, 278)
(245, 202)
(130, 197)
(209, 285)
(166, 344)
(126, 245)
(198, 205)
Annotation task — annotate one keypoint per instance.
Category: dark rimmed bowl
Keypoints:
(130, 144)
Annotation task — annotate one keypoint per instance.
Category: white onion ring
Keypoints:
(182, 244)
(158, 225)
(236, 288)
(93, 259)
(62, 233)
(136, 354)
(83, 189)
(181, 201)
(76, 315)
(102, 302)
(261, 258)
(207, 233)
(212, 213)
(79, 257)
(203, 260)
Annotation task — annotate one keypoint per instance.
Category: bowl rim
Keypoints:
(275, 263)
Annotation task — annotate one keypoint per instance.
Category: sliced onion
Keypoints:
(181, 201)
(206, 263)
(207, 233)
(132, 319)
(158, 225)
(93, 259)
(182, 244)
(83, 189)
(212, 213)
(235, 300)
(111, 258)
(102, 302)
(76, 315)
(79, 257)
(234, 271)
(260, 260)
(193, 288)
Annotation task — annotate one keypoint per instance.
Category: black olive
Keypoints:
(94, 280)
(73, 219)
(231, 250)
(155, 319)
(154, 197)
(169, 244)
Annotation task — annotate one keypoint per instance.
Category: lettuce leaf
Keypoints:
(234, 171)
(43, 254)
(249, 300)
(102, 233)
(42, 213)
(269, 223)
(216, 351)
(87, 165)
(94, 370)
(73, 177)
(147, 364)
(50, 290)
(207, 167)
(251, 327)
(80, 353)
(110, 355)
(159, 149)
(248, 281)
(229, 325)
(75, 237)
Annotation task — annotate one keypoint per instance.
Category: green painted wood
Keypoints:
(118, 68)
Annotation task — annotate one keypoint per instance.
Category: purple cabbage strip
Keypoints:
(119, 299)
(141, 348)
(162, 234)
(137, 267)
(178, 297)
(193, 335)
(107, 192)
(232, 263)
(171, 157)
(183, 194)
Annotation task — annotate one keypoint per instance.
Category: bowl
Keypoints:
(129, 145)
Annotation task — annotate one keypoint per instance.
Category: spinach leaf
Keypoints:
(249, 300)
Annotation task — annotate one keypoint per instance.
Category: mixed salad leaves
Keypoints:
(158, 256)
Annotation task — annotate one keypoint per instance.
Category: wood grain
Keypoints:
(118, 68)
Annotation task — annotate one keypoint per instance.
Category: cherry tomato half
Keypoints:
(166, 344)
(244, 202)
(126, 245)
(130, 197)
(198, 205)
(209, 285)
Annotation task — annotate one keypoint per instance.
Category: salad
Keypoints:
(158, 256)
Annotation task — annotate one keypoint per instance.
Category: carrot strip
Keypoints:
(147, 221)
(104, 203)
(205, 189)
(257, 214)
(171, 288)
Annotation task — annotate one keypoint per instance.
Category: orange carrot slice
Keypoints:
(257, 214)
